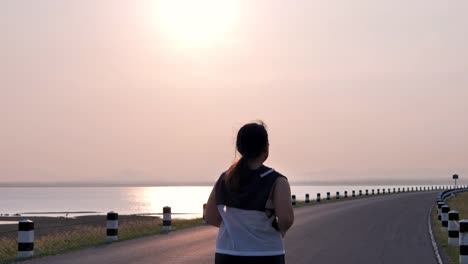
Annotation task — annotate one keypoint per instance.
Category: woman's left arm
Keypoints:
(212, 214)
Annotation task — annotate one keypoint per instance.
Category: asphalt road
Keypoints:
(383, 229)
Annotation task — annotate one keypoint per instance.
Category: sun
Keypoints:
(195, 22)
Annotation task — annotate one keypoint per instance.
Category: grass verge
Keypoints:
(459, 203)
(84, 236)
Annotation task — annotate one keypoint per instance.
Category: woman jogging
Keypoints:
(251, 205)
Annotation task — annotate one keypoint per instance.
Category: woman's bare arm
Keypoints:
(212, 214)
(283, 206)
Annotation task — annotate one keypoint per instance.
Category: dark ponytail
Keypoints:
(252, 141)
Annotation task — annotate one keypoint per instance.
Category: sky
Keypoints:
(155, 91)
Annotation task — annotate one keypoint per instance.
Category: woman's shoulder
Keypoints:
(276, 174)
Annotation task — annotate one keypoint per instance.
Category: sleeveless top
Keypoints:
(246, 228)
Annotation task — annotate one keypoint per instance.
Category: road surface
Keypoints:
(383, 229)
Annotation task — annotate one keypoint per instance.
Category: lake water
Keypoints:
(186, 201)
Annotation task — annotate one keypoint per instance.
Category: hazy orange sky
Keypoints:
(123, 91)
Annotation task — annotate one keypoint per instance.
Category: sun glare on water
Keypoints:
(196, 22)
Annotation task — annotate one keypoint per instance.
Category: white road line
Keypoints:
(434, 244)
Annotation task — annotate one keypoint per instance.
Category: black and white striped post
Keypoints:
(337, 195)
(328, 195)
(354, 194)
(453, 235)
(167, 219)
(112, 226)
(318, 197)
(439, 210)
(445, 209)
(25, 239)
(464, 241)
(360, 192)
(307, 198)
(345, 194)
(204, 213)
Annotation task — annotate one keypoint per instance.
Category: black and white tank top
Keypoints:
(246, 230)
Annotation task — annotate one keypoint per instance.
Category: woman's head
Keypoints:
(252, 141)
(252, 144)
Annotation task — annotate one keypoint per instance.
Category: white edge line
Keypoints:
(434, 244)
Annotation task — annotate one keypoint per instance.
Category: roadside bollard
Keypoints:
(345, 194)
(388, 190)
(204, 213)
(112, 226)
(337, 195)
(293, 199)
(354, 194)
(378, 191)
(372, 191)
(307, 198)
(318, 197)
(367, 192)
(412, 189)
(167, 219)
(439, 210)
(393, 190)
(383, 191)
(360, 192)
(453, 235)
(25, 239)
(328, 195)
(445, 209)
(398, 189)
(464, 241)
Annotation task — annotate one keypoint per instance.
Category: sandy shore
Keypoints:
(46, 225)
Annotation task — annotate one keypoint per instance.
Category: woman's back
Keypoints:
(246, 229)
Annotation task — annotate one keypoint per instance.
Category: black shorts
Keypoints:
(230, 259)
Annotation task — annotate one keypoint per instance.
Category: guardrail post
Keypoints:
(367, 192)
(354, 194)
(383, 191)
(439, 210)
(372, 191)
(167, 219)
(464, 241)
(445, 209)
(307, 198)
(204, 213)
(318, 197)
(360, 192)
(345, 194)
(328, 195)
(112, 226)
(453, 235)
(337, 196)
(25, 239)
(398, 189)
(293, 199)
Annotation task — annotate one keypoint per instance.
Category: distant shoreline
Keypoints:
(209, 184)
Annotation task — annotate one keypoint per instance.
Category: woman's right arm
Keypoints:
(283, 206)
(212, 214)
